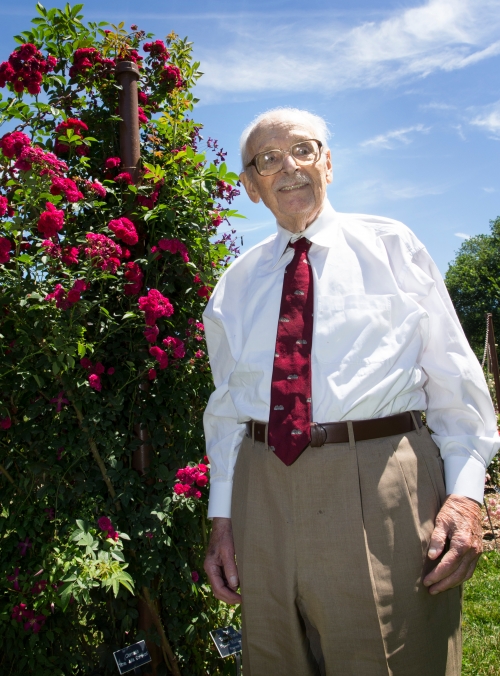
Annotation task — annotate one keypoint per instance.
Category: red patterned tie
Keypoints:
(290, 415)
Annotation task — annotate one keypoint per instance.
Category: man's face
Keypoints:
(296, 193)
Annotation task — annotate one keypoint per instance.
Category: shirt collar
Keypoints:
(322, 231)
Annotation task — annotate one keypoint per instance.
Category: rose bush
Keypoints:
(103, 284)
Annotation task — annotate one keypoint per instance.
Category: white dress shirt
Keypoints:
(386, 339)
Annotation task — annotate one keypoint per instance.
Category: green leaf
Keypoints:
(65, 592)
(128, 315)
(86, 540)
(128, 585)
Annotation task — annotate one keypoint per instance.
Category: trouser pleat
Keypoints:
(331, 553)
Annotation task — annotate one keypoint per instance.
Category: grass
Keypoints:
(481, 619)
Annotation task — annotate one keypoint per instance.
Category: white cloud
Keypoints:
(489, 189)
(258, 226)
(267, 55)
(459, 130)
(437, 106)
(377, 191)
(389, 139)
(410, 191)
(489, 120)
(462, 235)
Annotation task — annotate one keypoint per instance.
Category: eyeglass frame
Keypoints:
(252, 163)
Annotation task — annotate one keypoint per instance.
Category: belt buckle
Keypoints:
(318, 435)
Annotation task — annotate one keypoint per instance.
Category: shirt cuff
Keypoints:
(219, 501)
(464, 476)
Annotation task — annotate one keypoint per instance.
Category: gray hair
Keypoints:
(316, 123)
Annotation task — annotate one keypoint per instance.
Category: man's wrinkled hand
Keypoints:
(220, 564)
(459, 521)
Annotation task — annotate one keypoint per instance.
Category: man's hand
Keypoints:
(459, 519)
(220, 565)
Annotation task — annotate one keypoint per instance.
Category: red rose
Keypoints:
(51, 221)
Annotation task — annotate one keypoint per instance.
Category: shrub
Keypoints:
(103, 284)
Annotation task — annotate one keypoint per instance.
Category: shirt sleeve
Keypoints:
(223, 433)
(459, 408)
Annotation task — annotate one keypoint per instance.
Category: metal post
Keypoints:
(493, 356)
(142, 455)
(127, 74)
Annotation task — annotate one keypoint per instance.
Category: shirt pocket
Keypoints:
(353, 328)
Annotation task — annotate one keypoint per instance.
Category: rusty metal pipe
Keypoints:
(127, 74)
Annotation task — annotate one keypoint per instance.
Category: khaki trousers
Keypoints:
(331, 553)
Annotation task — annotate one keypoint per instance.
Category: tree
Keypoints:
(473, 281)
(103, 284)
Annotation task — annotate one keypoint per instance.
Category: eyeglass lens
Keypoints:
(270, 162)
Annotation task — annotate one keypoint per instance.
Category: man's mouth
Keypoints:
(288, 188)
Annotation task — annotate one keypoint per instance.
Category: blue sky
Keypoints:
(411, 92)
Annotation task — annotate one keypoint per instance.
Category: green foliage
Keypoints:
(78, 383)
(473, 281)
(481, 619)
(91, 566)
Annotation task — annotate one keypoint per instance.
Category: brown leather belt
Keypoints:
(338, 432)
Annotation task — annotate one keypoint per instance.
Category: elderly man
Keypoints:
(353, 526)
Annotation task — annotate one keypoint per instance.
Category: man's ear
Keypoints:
(250, 187)
(329, 168)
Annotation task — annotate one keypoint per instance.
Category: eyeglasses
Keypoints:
(271, 161)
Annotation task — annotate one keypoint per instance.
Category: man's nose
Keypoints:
(289, 164)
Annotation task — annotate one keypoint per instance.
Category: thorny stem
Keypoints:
(172, 660)
(7, 475)
(4, 115)
(95, 452)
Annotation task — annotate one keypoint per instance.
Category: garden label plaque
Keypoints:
(227, 641)
(132, 657)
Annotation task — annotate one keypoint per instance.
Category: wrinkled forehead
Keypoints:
(276, 133)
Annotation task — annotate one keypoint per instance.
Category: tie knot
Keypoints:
(302, 244)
